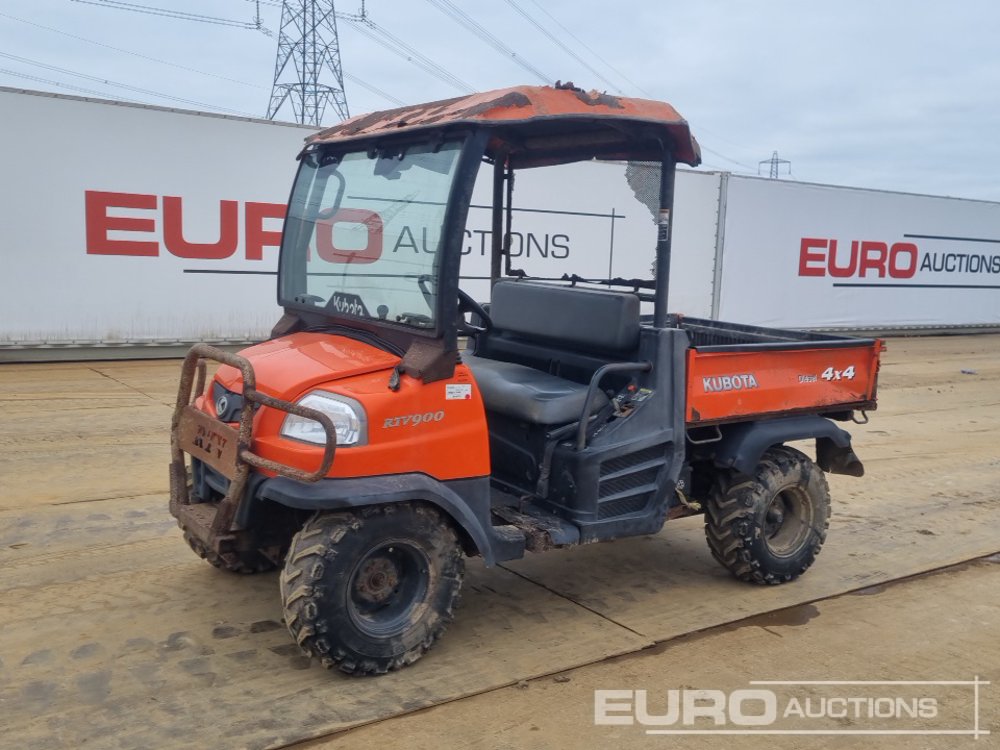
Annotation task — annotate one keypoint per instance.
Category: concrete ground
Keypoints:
(112, 633)
(939, 626)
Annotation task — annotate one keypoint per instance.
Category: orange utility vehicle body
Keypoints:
(393, 424)
(728, 383)
(415, 441)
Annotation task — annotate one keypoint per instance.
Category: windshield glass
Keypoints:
(363, 232)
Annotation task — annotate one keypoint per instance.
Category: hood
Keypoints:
(291, 365)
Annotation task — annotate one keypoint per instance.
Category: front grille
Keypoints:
(232, 403)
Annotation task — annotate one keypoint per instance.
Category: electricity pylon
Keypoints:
(308, 50)
(776, 164)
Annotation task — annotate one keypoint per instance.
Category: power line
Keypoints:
(591, 51)
(406, 47)
(366, 26)
(60, 84)
(373, 89)
(410, 55)
(558, 42)
(168, 13)
(117, 84)
(361, 82)
(459, 16)
(723, 156)
(583, 44)
(130, 52)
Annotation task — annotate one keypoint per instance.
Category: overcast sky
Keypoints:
(895, 94)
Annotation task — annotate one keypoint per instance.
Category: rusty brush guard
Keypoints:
(225, 449)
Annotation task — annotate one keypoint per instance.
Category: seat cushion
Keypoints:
(570, 317)
(530, 395)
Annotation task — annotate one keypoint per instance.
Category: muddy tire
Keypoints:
(244, 563)
(769, 527)
(369, 591)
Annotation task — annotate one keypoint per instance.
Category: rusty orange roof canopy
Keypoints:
(550, 110)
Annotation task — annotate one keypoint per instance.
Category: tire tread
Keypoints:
(730, 516)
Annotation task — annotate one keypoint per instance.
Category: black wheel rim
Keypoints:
(388, 589)
(787, 522)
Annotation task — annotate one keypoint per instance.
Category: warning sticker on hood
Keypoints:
(457, 391)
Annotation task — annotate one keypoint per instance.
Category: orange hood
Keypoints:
(288, 366)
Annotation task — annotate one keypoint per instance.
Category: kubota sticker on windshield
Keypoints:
(349, 304)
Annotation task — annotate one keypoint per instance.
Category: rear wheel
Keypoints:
(370, 591)
(768, 528)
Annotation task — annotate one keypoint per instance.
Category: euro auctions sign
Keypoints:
(877, 261)
(851, 258)
(875, 708)
(166, 215)
(819, 257)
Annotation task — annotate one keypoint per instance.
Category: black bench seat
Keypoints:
(565, 324)
(530, 395)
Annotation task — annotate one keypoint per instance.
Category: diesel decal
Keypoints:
(720, 383)
(413, 419)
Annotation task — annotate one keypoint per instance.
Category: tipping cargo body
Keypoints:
(737, 373)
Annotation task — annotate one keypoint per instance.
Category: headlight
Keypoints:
(347, 415)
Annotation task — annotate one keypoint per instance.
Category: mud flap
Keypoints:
(743, 444)
(835, 459)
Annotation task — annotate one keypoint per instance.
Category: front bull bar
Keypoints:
(226, 449)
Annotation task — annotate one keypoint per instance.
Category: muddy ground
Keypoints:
(112, 633)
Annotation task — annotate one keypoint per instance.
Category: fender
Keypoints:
(465, 501)
(743, 444)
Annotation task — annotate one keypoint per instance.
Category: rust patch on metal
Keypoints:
(594, 98)
(455, 110)
(209, 440)
(519, 105)
(233, 456)
(509, 100)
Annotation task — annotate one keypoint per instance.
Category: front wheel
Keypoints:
(768, 528)
(369, 591)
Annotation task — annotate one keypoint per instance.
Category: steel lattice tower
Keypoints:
(775, 165)
(309, 45)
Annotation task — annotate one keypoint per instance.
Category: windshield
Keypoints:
(363, 232)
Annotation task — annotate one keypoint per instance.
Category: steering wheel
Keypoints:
(468, 305)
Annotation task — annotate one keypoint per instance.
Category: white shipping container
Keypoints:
(125, 225)
(814, 256)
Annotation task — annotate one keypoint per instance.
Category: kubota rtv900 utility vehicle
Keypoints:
(361, 449)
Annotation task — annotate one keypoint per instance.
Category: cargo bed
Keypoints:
(737, 371)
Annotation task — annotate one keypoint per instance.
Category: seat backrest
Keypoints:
(568, 317)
